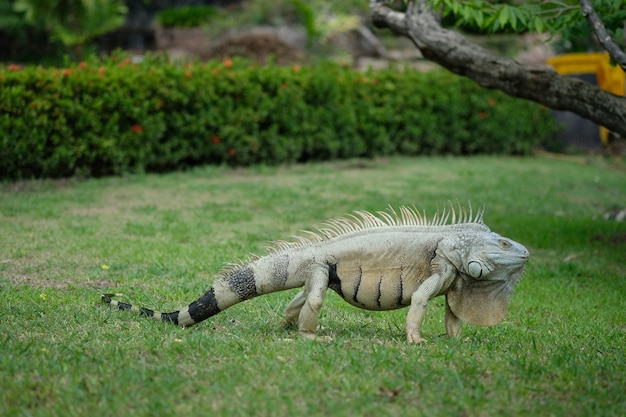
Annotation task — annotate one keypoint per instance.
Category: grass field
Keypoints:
(161, 239)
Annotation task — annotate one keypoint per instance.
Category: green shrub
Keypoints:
(110, 117)
(186, 16)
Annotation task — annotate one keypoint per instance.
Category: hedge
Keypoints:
(104, 117)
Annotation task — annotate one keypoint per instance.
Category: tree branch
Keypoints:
(457, 54)
(603, 36)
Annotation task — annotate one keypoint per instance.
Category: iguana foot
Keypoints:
(314, 336)
(307, 335)
(415, 338)
(288, 324)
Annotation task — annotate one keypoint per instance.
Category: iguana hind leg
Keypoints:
(292, 312)
(310, 301)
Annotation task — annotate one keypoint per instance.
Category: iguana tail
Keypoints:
(201, 309)
(237, 283)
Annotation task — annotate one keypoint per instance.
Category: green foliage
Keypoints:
(10, 20)
(535, 16)
(73, 22)
(576, 35)
(270, 13)
(307, 17)
(109, 117)
(319, 18)
(187, 16)
(27, 41)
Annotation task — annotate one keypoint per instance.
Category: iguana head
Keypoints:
(489, 270)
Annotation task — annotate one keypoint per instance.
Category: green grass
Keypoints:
(161, 239)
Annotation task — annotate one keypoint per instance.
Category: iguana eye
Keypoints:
(505, 244)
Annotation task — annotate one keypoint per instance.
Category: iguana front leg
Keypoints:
(430, 288)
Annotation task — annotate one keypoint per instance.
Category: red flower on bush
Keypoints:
(125, 62)
(295, 68)
(482, 115)
(491, 102)
(228, 63)
(215, 139)
(231, 152)
(67, 71)
(187, 74)
(137, 128)
(14, 67)
(82, 65)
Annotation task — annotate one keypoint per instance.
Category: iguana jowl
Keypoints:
(385, 261)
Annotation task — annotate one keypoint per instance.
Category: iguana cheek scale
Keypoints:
(381, 261)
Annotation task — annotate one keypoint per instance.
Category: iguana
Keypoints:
(383, 261)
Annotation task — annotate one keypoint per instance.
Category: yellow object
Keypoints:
(610, 77)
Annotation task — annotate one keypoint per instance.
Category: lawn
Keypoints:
(161, 239)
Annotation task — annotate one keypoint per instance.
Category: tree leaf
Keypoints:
(513, 18)
(480, 19)
(538, 23)
(503, 16)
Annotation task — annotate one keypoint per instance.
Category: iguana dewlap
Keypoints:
(385, 261)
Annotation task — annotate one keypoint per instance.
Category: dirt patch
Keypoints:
(44, 283)
(610, 240)
(255, 45)
(33, 186)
